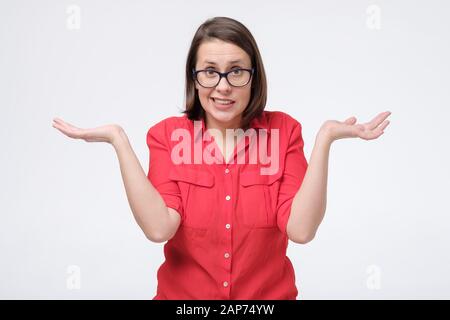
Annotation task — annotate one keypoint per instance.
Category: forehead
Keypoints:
(221, 53)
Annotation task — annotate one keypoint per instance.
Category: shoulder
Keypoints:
(165, 127)
(290, 129)
(281, 120)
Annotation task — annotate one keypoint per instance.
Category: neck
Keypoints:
(222, 126)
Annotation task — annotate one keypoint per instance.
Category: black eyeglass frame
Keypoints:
(222, 75)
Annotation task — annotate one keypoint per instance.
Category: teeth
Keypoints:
(223, 101)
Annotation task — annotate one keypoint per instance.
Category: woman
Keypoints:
(226, 213)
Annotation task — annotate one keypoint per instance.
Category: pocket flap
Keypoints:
(197, 177)
(249, 178)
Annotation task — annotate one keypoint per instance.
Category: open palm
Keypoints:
(104, 133)
(350, 129)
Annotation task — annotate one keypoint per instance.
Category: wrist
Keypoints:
(118, 136)
(324, 136)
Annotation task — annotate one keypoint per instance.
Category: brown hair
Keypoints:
(232, 31)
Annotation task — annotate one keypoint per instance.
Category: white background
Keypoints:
(386, 230)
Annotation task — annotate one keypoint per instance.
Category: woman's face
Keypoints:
(223, 56)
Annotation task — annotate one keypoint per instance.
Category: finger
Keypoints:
(373, 134)
(56, 124)
(384, 125)
(351, 120)
(377, 120)
(67, 130)
(62, 122)
(58, 120)
(67, 124)
(61, 128)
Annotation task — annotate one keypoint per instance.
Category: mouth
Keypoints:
(223, 104)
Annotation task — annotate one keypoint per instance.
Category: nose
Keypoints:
(223, 85)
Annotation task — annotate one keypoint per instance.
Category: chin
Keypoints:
(223, 116)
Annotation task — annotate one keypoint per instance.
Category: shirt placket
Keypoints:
(226, 254)
(227, 223)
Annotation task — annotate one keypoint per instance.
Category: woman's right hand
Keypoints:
(105, 133)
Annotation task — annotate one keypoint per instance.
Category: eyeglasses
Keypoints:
(210, 78)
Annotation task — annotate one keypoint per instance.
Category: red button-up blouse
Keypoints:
(232, 240)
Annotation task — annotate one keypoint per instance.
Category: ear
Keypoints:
(196, 85)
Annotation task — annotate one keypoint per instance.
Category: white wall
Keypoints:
(386, 231)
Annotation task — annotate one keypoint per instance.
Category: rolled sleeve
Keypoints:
(294, 172)
(160, 165)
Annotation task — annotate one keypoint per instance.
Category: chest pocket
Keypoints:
(197, 193)
(258, 199)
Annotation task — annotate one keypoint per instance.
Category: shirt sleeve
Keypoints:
(294, 172)
(160, 164)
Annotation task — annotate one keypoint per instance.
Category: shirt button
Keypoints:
(226, 255)
(225, 284)
(228, 197)
(227, 170)
(227, 226)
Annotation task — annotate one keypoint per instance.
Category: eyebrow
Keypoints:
(230, 62)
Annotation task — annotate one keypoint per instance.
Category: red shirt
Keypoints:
(232, 240)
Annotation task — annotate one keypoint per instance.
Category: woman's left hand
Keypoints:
(334, 130)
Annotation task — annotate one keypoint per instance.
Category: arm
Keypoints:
(158, 222)
(309, 204)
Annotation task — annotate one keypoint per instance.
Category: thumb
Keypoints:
(351, 120)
